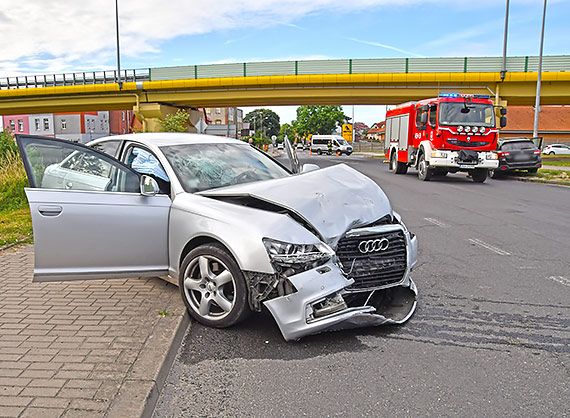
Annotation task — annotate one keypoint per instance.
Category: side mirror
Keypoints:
(309, 167)
(423, 118)
(503, 121)
(149, 186)
(503, 111)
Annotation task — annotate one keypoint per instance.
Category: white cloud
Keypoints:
(63, 35)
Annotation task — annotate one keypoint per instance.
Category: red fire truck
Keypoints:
(450, 133)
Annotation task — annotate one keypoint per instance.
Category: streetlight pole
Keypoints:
(118, 54)
(504, 69)
(539, 80)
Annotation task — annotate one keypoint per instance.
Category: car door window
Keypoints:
(143, 161)
(108, 147)
(59, 164)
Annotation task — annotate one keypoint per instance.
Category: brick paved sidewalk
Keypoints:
(84, 348)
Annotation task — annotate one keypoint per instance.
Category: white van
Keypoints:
(320, 144)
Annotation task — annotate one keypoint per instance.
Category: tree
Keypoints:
(177, 122)
(318, 119)
(263, 117)
(7, 143)
(286, 130)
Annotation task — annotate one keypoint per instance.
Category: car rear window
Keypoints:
(517, 146)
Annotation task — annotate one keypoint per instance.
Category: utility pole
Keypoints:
(539, 80)
(504, 69)
(119, 81)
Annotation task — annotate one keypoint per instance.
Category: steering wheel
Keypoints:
(242, 176)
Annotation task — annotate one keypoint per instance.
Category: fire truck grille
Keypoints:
(377, 267)
(471, 144)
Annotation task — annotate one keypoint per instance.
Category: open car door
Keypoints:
(89, 217)
(292, 155)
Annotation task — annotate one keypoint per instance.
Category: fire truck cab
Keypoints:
(450, 133)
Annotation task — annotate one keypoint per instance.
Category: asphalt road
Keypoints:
(491, 335)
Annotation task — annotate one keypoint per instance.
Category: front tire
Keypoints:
(479, 175)
(213, 287)
(424, 172)
(319, 151)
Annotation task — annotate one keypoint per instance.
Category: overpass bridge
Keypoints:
(155, 92)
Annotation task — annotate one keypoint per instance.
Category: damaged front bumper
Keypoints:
(325, 301)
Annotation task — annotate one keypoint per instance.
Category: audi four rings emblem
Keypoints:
(373, 245)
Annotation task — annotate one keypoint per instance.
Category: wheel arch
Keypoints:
(203, 240)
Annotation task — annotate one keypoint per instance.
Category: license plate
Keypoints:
(466, 166)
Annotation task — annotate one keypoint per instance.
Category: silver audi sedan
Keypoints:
(321, 249)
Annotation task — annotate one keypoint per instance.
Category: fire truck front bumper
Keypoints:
(457, 159)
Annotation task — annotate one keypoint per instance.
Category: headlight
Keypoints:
(482, 129)
(492, 156)
(468, 129)
(438, 154)
(460, 129)
(299, 257)
(475, 129)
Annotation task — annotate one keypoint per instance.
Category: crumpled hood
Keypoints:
(333, 199)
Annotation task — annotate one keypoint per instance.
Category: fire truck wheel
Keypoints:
(479, 175)
(424, 172)
(392, 162)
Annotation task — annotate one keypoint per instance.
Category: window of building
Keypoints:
(123, 115)
(20, 125)
(63, 124)
(46, 124)
(12, 125)
(37, 123)
(218, 110)
(218, 122)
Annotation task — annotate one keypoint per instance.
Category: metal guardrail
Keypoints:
(73, 79)
(307, 67)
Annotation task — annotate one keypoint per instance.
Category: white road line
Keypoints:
(488, 246)
(562, 280)
(436, 222)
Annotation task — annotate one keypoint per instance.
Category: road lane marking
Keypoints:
(562, 280)
(436, 222)
(488, 246)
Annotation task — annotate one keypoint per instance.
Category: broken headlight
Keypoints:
(288, 258)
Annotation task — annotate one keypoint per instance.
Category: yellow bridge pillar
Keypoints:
(151, 115)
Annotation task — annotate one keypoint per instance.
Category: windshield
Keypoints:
(464, 113)
(208, 166)
(342, 141)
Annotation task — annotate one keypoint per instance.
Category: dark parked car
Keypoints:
(517, 154)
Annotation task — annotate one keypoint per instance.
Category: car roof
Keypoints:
(159, 139)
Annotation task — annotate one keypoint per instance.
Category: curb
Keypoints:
(141, 388)
(532, 180)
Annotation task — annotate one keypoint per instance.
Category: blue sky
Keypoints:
(67, 35)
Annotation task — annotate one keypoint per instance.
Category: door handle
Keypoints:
(50, 210)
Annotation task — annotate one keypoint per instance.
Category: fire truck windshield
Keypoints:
(464, 113)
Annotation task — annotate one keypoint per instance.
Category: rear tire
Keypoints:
(424, 172)
(319, 151)
(494, 174)
(479, 175)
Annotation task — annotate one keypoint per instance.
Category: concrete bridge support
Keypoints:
(150, 116)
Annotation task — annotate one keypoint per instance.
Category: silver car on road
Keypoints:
(321, 249)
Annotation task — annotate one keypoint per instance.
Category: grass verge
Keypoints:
(15, 220)
(15, 227)
(557, 160)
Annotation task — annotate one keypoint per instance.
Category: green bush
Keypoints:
(7, 144)
(12, 181)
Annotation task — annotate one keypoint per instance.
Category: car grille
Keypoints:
(373, 269)
(466, 144)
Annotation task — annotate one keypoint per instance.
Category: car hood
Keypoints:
(332, 200)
